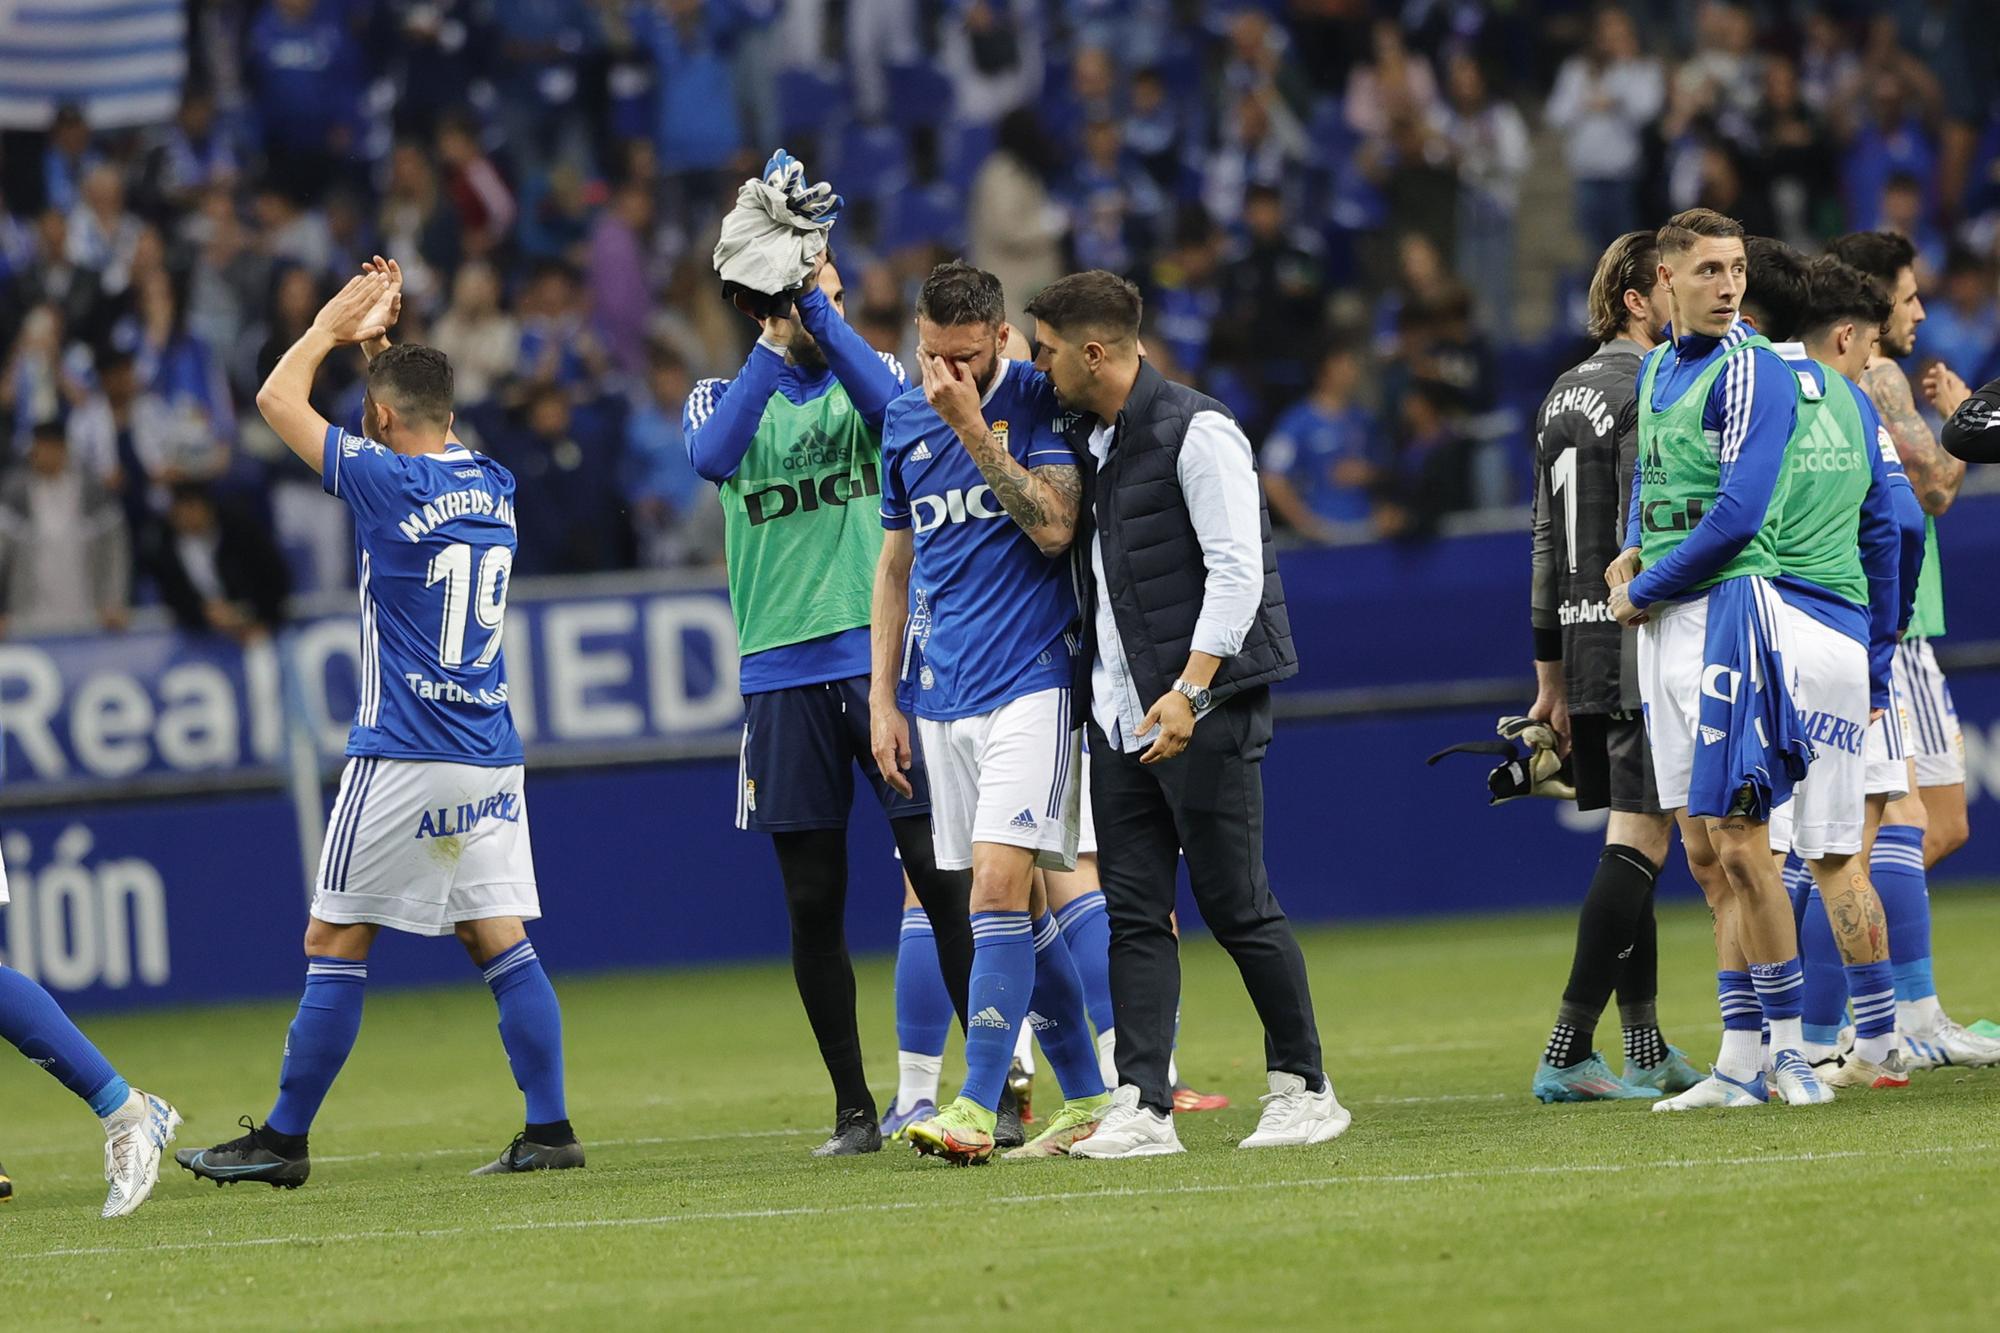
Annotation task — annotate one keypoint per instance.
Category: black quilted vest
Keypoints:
(1152, 558)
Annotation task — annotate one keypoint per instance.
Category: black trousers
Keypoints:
(1207, 803)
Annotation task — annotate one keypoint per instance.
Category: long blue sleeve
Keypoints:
(872, 381)
(721, 416)
(1881, 542)
(1753, 416)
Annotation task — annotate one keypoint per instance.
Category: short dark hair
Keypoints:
(1630, 264)
(1879, 254)
(1684, 229)
(1776, 292)
(1096, 301)
(957, 293)
(1840, 291)
(51, 428)
(415, 380)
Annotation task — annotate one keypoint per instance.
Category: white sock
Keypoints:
(917, 1079)
(1787, 1034)
(1107, 1056)
(1173, 1071)
(1814, 1052)
(1874, 1049)
(1918, 1017)
(1024, 1048)
(1741, 1056)
(132, 1108)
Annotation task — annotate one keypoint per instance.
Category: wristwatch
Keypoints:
(1194, 694)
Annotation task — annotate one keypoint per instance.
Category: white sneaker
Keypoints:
(136, 1135)
(1717, 1090)
(1793, 1080)
(1294, 1117)
(1950, 1044)
(1130, 1130)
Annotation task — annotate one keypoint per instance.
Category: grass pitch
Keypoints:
(1455, 1201)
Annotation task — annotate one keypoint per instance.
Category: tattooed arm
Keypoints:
(1933, 473)
(1042, 501)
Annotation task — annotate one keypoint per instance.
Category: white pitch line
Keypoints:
(956, 1206)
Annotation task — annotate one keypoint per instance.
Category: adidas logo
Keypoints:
(989, 1017)
(1024, 820)
(1038, 1023)
(1710, 735)
(922, 452)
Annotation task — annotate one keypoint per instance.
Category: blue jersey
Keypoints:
(991, 618)
(434, 536)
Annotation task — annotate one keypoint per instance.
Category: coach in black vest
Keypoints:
(1184, 631)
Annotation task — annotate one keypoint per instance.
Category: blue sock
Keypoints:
(1087, 930)
(1874, 988)
(1824, 1006)
(923, 1006)
(1781, 991)
(1897, 867)
(530, 1029)
(1737, 997)
(323, 1032)
(1003, 977)
(1057, 1012)
(31, 1019)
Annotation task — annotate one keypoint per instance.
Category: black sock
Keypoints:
(1645, 1046)
(285, 1145)
(946, 897)
(1607, 931)
(813, 864)
(554, 1134)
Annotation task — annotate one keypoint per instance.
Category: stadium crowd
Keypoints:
(1342, 215)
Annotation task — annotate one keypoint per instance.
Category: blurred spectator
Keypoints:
(882, 35)
(45, 375)
(619, 242)
(482, 340)
(1829, 69)
(416, 226)
(51, 278)
(1723, 77)
(1890, 139)
(306, 73)
(103, 236)
(64, 562)
(1396, 83)
(1796, 170)
(1155, 129)
(1262, 147)
(567, 461)
(1017, 229)
(1962, 325)
(1186, 296)
(696, 129)
(556, 212)
(1903, 211)
(557, 347)
(485, 205)
(218, 571)
(1259, 60)
(991, 50)
(1489, 141)
(229, 277)
(1091, 96)
(675, 516)
(1317, 463)
(196, 156)
(183, 370)
(1270, 302)
(67, 160)
(1430, 473)
(1116, 207)
(1602, 103)
(122, 436)
(293, 233)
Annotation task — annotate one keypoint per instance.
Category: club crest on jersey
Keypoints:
(926, 678)
(999, 429)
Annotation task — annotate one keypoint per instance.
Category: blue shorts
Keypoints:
(800, 746)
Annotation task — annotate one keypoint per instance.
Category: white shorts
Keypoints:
(1009, 777)
(1829, 683)
(1887, 750)
(1933, 735)
(421, 846)
(1673, 653)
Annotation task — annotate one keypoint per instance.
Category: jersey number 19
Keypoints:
(486, 599)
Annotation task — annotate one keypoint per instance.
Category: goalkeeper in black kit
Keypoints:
(1586, 437)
